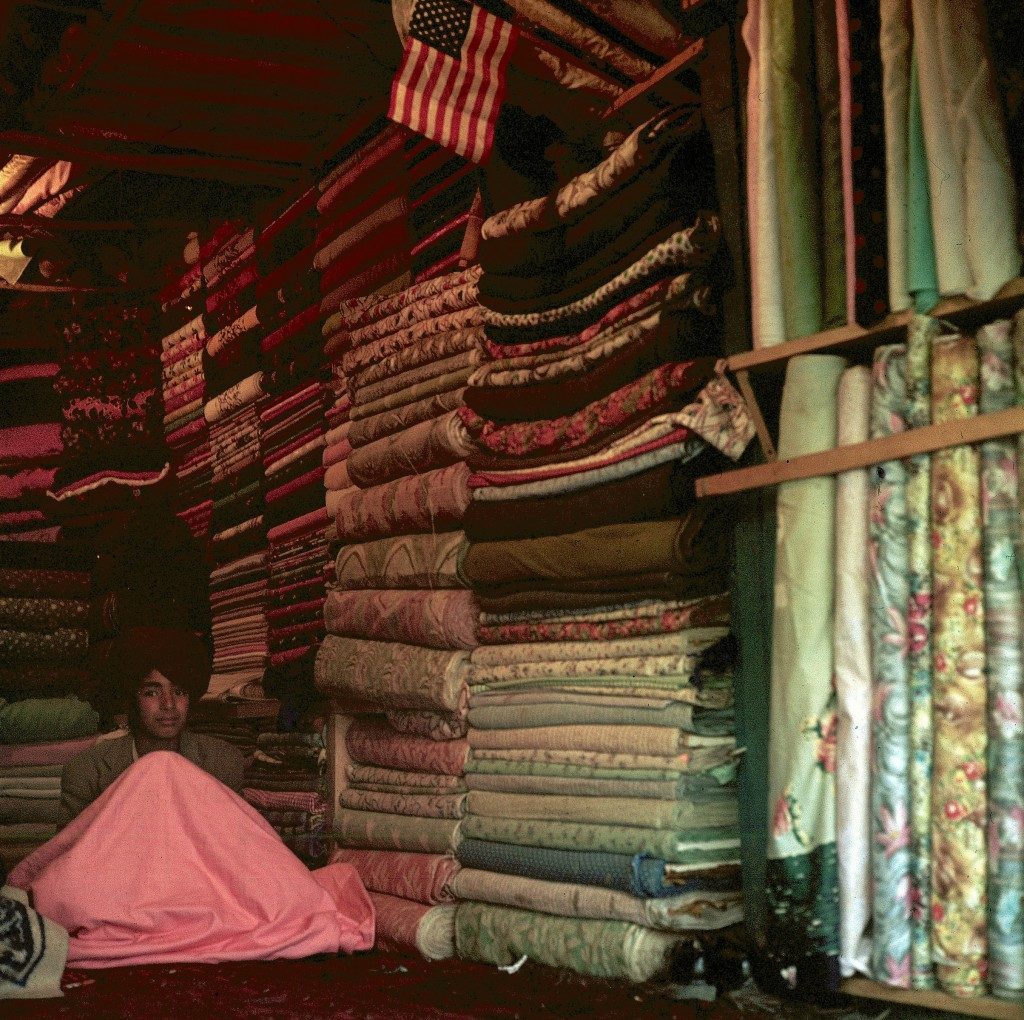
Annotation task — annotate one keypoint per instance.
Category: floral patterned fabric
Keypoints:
(43, 614)
(387, 423)
(365, 310)
(959, 786)
(890, 802)
(595, 424)
(921, 334)
(1004, 624)
(431, 349)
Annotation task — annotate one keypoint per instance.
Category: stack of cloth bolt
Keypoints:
(292, 428)
(30, 442)
(184, 391)
(45, 613)
(239, 579)
(443, 202)
(362, 239)
(602, 807)
(400, 623)
(285, 782)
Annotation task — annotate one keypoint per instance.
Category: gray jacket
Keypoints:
(88, 775)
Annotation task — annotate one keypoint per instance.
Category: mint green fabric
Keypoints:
(922, 274)
(42, 720)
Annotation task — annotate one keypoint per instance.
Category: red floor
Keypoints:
(369, 987)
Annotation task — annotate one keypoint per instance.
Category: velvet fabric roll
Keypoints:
(684, 555)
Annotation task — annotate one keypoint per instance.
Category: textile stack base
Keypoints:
(400, 624)
(284, 782)
(31, 444)
(602, 813)
(184, 389)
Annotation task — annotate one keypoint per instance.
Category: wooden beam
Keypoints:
(657, 80)
(44, 225)
(219, 168)
(855, 341)
(984, 1006)
(931, 438)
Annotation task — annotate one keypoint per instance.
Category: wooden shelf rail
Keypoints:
(984, 1006)
(855, 340)
(963, 432)
(682, 59)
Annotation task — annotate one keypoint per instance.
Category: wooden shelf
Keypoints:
(986, 1006)
(963, 432)
(855, 342)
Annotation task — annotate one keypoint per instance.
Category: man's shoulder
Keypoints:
(214, 747)
(101, 752)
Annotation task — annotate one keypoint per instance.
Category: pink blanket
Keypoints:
(170, 866)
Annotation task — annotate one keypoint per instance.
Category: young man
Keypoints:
(160, 672)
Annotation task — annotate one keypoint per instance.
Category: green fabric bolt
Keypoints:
(922, 275)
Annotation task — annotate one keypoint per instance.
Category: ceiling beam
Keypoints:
(113, 156)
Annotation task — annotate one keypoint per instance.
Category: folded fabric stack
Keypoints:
(602, 810)
(30, 443)
(284, 782)
(235, 398)
(44, 639)
(111, 426)
(444, 206)
(362, 239)
(45, 614)
(400, 623)
(412, 899)
(184, 389)
(53, 731)
(292, 428)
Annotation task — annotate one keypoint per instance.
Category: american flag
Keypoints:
(452, 78)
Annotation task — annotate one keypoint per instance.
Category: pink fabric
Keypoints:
(421, 877)
(398, 923)
(416, 504)
(21, 373)
(30, 442)
(370, 741)
(169, 866)
(437, 619)
(53, 753)
(24, 483)
(314, 521)
(283, 491)
(304, 320)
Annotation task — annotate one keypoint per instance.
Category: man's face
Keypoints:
(162, 706)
